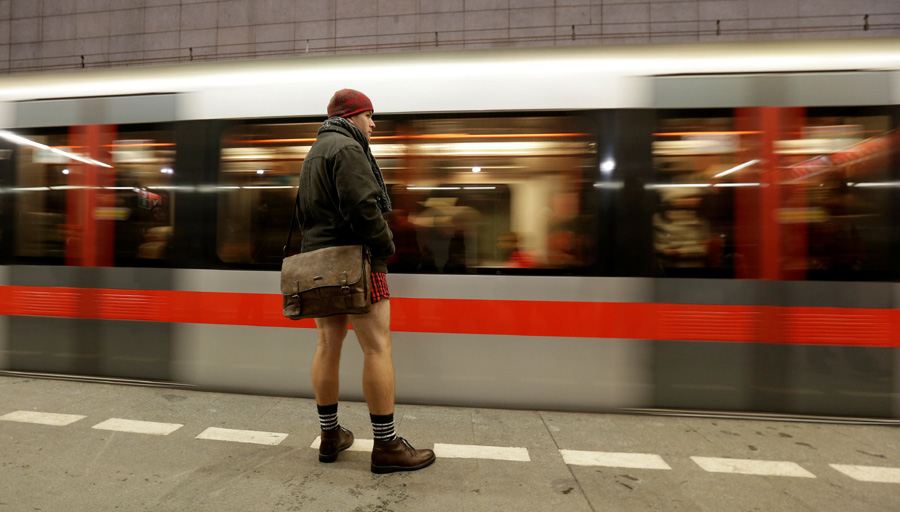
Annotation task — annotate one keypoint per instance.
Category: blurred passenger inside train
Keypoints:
(565, 238)
(680, 235)
(462, 246)
(407, 256)
(511, 252)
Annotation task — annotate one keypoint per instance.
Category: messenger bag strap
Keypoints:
(295, 216)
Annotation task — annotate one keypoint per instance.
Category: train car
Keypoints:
(702, 227)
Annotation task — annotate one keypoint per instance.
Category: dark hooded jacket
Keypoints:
(338, 198)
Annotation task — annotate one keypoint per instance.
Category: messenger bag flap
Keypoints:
(332, 266)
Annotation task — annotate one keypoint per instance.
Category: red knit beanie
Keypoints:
(348, 102)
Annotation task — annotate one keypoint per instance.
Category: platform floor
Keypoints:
(74, 446)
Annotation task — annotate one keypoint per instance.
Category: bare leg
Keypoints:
(374, 333)
(327, 361)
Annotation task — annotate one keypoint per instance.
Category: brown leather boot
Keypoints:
(398, 455)
(333, 442)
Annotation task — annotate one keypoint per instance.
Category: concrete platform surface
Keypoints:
(75, 446)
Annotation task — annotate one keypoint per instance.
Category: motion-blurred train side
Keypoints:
(690, 227)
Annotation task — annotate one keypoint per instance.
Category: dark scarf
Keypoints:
(384, 201)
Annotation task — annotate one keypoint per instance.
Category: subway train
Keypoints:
(707, 228)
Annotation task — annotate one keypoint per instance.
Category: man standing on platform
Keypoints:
(342, 202)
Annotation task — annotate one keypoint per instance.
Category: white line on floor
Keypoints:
(138, 427)
(451, 451)
(242, 436)
(614, 460)
(42, 418)
(359, 445)
(870, 473)
(752, 467)
(465, 451)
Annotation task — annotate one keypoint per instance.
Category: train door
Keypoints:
(794, 205)
(82, 246)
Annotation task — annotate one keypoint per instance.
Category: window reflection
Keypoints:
(127, 204)
(144, 195)
(257, 185)
(469, 194)
(837, 189)
(698, 163)
(42, 179)
(830, 208)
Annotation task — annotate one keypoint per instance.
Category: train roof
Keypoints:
(847, 71)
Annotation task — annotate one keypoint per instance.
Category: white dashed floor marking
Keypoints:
(614, 459)
(870, 473)
(752, 467)
(138, 427)
(449, 451)
(359, 445)
(42, 418)
(242, 436)
(463, 451)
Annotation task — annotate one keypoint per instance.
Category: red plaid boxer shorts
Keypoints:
(379, 287)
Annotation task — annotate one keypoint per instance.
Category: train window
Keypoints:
(260, 164)
(693, 226)
(41, 198)
(836, 194)
(114, 211)
(818, 208)
(468, 194)
(484, 194)
(144, 195)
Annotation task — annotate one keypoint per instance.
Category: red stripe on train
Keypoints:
(770, 324)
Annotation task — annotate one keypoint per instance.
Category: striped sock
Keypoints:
(328, 416)
(383, 427)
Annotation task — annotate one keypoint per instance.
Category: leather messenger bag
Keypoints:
(325, 282)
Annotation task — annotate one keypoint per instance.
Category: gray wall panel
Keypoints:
(806, 89)
(84, 111)
(736, 292)
(123, 278)
(775, 378)
(226, 281)
(837, 294)
(268, 360)
(77, 346)
(447, 369)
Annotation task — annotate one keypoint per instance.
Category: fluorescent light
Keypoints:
(736, 168)
(608, 166)
(736, 185)
(22, 141)
(878, 184)
(432, 188)
(679, 185)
